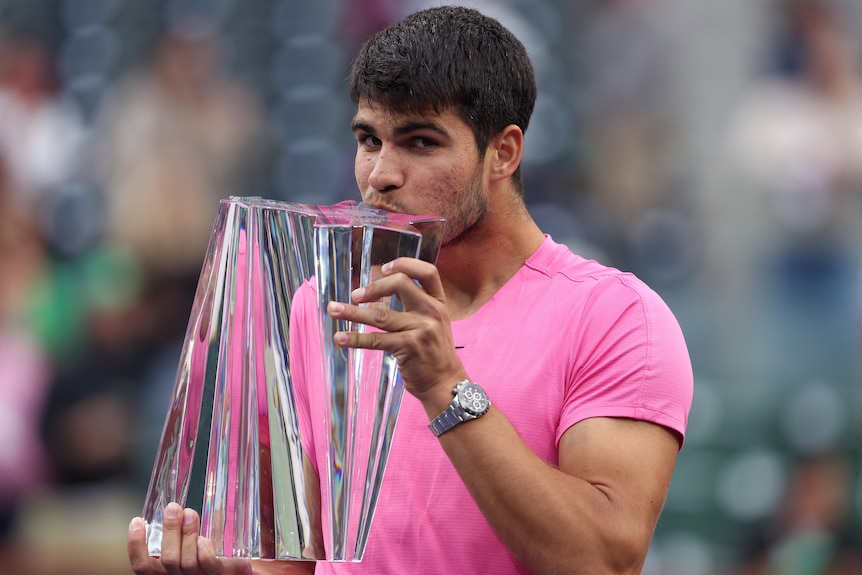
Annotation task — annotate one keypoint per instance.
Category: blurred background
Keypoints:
(713, 148)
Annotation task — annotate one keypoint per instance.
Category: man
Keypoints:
(585, 367)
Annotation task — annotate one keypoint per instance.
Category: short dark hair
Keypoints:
(449, 57)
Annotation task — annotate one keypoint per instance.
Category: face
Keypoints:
(423, 164)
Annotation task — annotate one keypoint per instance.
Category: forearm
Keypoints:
(552, 521)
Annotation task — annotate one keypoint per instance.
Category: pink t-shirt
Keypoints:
(564, 340)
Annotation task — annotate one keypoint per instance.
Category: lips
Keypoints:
(384, 207)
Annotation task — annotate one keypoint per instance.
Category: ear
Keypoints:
(504, 153)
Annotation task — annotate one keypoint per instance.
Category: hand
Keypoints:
(420, 337)
(184, 551)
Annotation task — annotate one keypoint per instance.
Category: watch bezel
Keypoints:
(464, 403)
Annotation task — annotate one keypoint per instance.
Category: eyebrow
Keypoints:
(358, 125)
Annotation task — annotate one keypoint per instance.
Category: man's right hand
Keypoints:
(186, 552)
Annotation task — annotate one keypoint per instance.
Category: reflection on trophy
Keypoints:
(239, 429)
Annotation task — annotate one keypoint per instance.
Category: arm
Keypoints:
(595, 513)
(185, 552)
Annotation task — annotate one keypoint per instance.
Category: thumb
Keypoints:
(213, 565)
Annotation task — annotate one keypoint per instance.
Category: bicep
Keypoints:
(630, 461)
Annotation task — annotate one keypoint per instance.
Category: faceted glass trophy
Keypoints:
(261, 385)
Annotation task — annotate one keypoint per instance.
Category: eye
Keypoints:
(423, 143)
(367, 140)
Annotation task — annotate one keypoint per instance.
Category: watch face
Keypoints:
(472, 399)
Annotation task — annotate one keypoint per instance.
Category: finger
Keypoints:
(408, 291)
(421, 271)
(207, 557)
(416, 283)
(372, 340)
(189, 546)
(172, 536)
(412, 296)
(139, 556)
(373, 315)
(416, 271)
(213, 565)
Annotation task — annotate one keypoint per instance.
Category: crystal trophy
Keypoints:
(236, 440)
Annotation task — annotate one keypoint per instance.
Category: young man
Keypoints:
(586, 369)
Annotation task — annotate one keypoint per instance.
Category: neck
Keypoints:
(476, 265)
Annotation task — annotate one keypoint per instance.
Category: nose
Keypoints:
(387, 171)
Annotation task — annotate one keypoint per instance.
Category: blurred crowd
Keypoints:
(106, 205)
(103, 226)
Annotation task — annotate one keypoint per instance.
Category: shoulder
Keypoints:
(558, 260)
(589, 284)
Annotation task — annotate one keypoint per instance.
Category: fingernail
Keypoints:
(202, 542)
(172, 511)
(387, 267)
(340, 338)
(336, 307)
(358, 293)
(137, 524)
(188, 516)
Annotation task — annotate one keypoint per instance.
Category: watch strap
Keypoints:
(451, 416)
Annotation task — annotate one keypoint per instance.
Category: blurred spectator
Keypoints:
(41, 141)
(24, 369)
(56, 430)
(799, 134)
(175, 138)
(88, 421)
(812, 533)
(40, 133)
(37, 136)
(796, 139)
(625, 79)
(172, 139)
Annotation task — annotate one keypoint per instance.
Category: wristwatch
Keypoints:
(470, 402)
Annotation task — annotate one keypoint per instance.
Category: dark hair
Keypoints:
(449, 57)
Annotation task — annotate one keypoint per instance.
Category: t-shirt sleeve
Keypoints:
(629, 359)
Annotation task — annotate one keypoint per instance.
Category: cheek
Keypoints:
(448, 188)
(361, 169)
